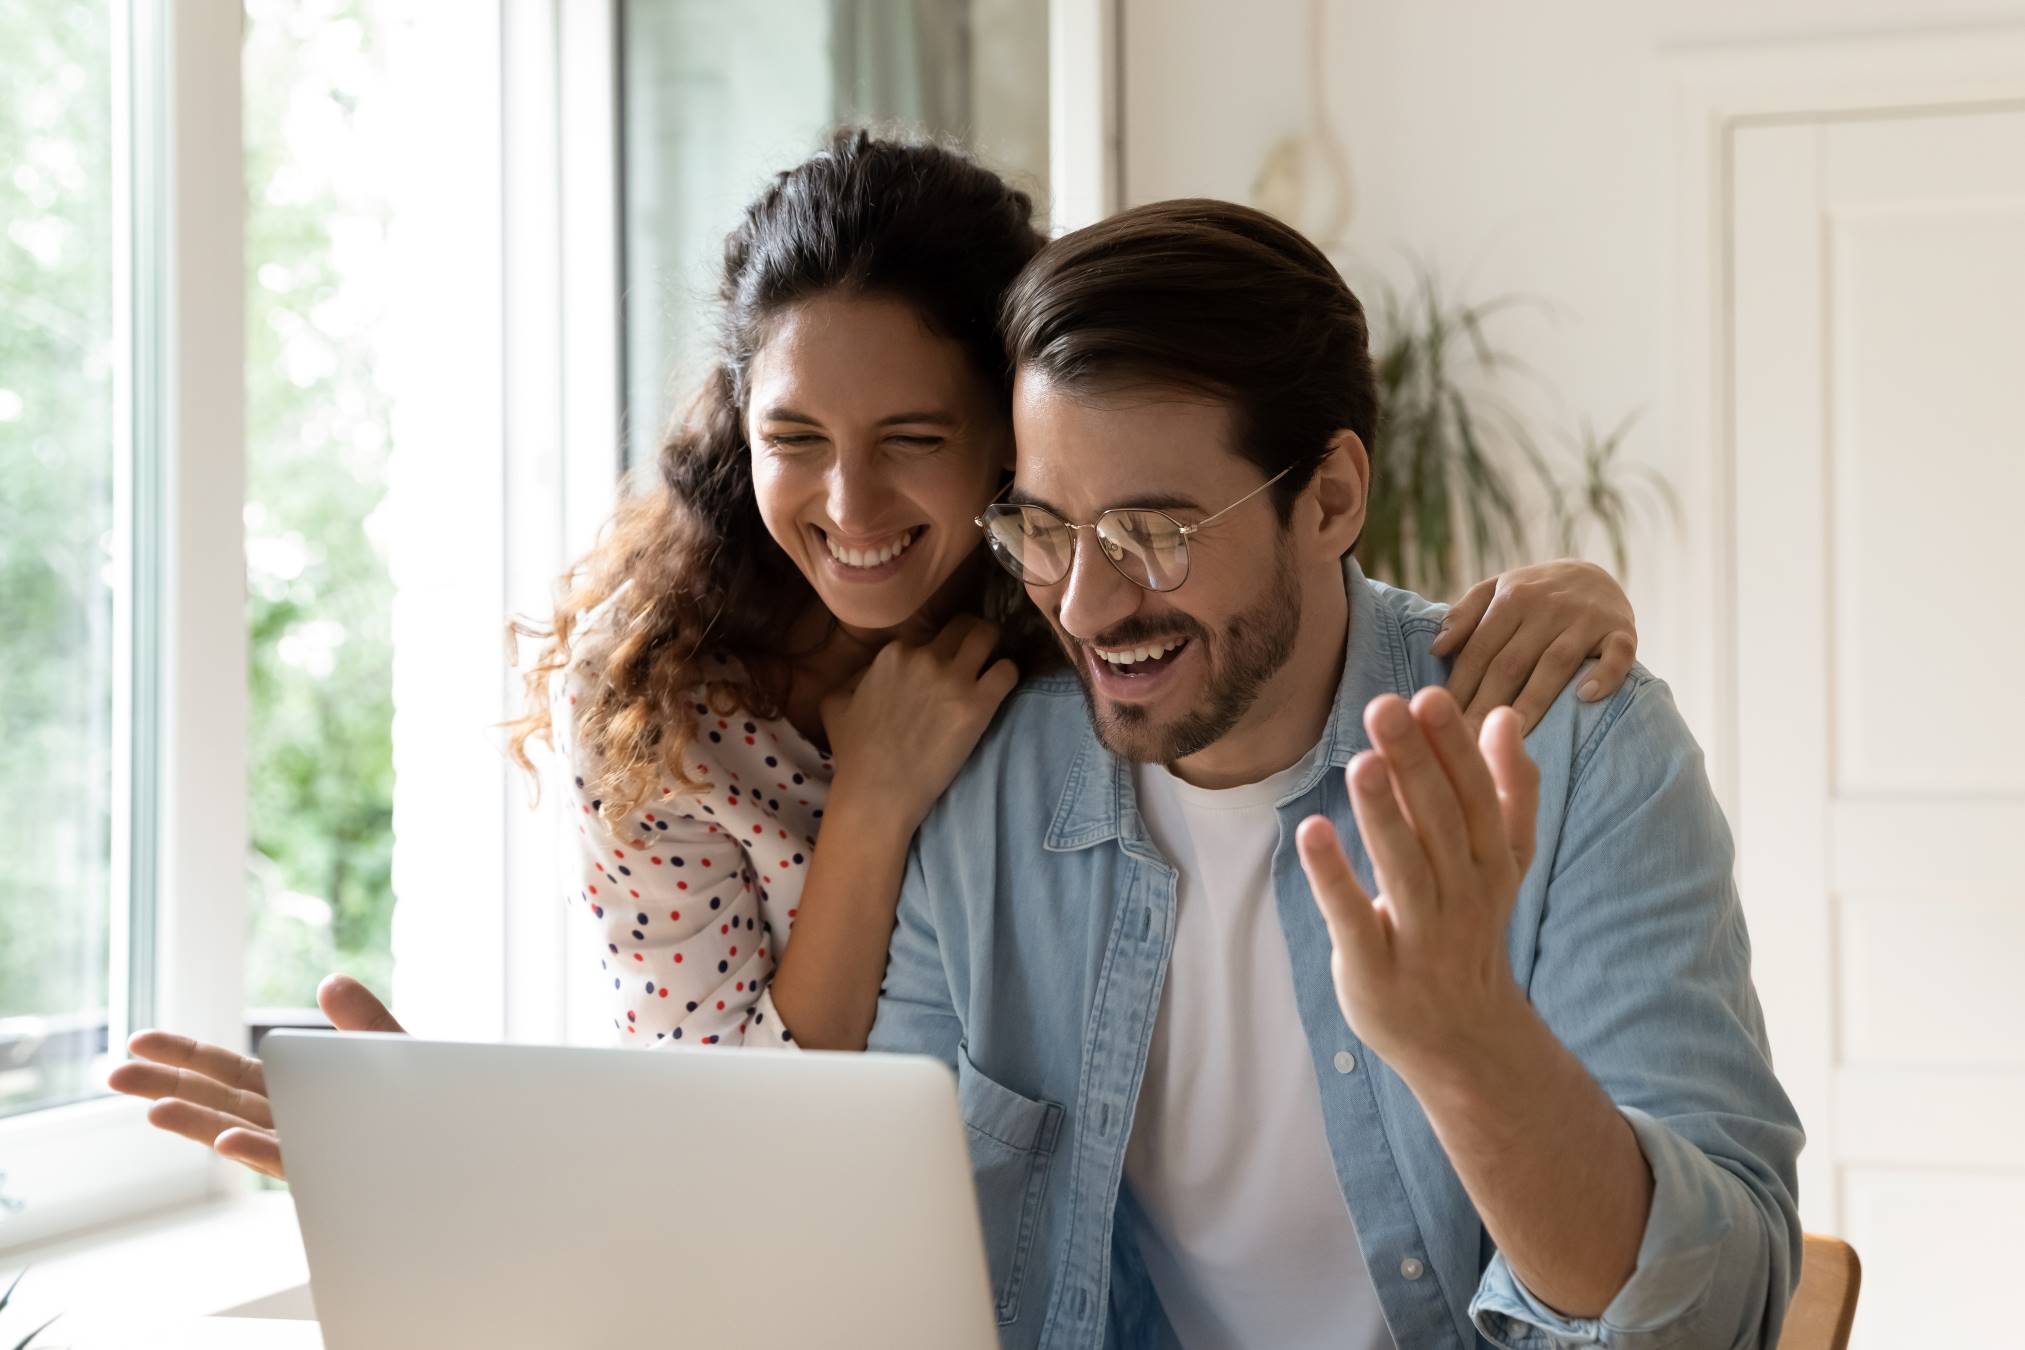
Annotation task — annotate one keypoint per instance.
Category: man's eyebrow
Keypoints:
(924, 417)
(1145, 501)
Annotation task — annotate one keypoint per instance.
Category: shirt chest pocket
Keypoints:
(1012, 1141)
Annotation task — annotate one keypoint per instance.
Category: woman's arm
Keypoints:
(897, 737)
(1519, 638)
(683, 949)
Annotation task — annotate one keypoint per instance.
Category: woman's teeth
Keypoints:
(871, 557)
(1133, 655)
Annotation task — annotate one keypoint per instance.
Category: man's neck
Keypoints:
(1292, 708)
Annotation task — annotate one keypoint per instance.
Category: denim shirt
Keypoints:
(1035, 925)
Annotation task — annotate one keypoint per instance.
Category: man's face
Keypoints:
(1167, 673)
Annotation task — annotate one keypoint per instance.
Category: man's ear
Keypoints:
(1338, 494)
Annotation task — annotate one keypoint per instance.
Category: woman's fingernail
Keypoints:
(1589, 690)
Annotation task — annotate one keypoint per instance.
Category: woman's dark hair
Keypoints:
(687, 567)
(1212, 297)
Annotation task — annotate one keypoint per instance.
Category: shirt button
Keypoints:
(1411, 1268)
(1345, 1061)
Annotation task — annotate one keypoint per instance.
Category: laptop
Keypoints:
(530, 1196)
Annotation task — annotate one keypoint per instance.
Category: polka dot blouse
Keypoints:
(694, 896)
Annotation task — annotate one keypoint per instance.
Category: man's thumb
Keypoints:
(351, 1006)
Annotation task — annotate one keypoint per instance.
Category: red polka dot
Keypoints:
(650, 820)
(638, 957)
(757, 829)
(663, 991)
(678, 958)
(681, 885)
(675, 916)
(655, 861)
(639, 843)
(720, 1005)
(594, 890)
(618, 853)
(706, 862)
(762, 953)
(634, 894)
(734, 951)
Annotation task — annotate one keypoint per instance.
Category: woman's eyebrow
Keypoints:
(924, 417)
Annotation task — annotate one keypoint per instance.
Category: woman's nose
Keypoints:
(858, 498)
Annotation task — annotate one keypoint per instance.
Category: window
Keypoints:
(60, 572)
(718, 96)
(319, 598)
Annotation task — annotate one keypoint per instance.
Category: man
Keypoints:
(1285, 1010)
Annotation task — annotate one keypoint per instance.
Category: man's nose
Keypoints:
(1094, 596)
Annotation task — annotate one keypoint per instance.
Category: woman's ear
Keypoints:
(1340, 491)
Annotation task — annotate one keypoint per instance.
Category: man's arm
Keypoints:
(1607, 1220)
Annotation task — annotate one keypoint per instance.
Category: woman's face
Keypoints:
(874, 445)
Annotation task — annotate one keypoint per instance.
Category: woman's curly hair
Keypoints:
(686, 571)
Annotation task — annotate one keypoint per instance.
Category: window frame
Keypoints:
(179, 837)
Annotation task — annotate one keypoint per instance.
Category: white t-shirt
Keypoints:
(1250, 1241)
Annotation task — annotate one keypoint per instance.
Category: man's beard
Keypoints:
(1250, 650)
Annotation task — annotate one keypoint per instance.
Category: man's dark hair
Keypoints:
(1212, 297)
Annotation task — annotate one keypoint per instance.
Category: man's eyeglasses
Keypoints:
(1148, 548)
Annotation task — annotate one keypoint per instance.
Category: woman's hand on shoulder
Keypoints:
(900, 731)
(1519, 637)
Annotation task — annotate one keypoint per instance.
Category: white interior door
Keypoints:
(1877, 349)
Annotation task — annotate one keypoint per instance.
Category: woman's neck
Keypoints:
(836, 652)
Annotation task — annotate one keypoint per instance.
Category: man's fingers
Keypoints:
(1468, 774)
(1496, 628)
(232, 1069)
(351, 1006)
(1345, 905)
(1557, 666)
(199, 1123)
(1404, 874)
(257, 1149)
(1518, 780)
(1426, 795)
(158, 1082)
(1619, 651)
(1464, 616)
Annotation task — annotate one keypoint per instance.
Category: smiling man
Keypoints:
(1286, 1008)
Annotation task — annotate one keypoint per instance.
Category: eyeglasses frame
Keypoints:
(1183, 530)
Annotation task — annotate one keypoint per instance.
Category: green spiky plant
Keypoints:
(1457, 475)
(1608, 496)
(7, 1298)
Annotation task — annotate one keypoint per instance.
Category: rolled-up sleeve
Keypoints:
(1643, 971)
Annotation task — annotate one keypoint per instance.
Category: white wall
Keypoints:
(1516, 148)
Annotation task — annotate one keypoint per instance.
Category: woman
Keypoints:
(795, 630)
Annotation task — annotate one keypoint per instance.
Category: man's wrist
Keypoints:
(1483, 1062)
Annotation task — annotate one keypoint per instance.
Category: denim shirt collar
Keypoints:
(1097, 796)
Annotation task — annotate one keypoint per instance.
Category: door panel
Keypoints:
(1877, 368)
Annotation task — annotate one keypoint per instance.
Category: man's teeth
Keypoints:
(871, 557)
(1134, 655)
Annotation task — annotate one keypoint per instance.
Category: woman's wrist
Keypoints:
(873, 811)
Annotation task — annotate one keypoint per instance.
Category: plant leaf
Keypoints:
(22, 1344)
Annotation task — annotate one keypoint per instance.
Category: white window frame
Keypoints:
(178, 897)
